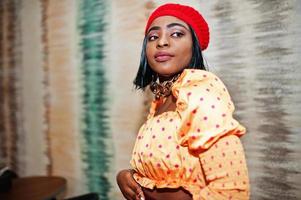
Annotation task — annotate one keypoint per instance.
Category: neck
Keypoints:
(166, 78)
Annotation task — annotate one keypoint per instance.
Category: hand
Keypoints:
(130, 189)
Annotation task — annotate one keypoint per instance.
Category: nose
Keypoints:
(163, 41)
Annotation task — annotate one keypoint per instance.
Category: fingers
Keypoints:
(139, 191)
(130, 195)
(139, 194)
(130, 189)
(136, 189)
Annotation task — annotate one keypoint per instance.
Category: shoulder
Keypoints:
(191, 75)
(194, 82)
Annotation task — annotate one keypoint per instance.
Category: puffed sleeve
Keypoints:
(205, 109)
(225, 170)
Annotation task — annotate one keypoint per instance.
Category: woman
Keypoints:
(189, 146)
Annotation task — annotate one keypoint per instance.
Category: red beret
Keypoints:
(187, 14)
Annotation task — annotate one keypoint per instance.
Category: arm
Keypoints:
(225, 170)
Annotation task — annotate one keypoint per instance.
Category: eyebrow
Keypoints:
(168, 26)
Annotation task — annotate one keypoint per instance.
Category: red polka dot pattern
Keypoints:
(196, 145)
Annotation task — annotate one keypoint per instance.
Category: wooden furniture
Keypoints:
(36, 188)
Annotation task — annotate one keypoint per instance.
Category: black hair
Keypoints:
(146, 75)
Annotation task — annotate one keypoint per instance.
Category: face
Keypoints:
(169, 45)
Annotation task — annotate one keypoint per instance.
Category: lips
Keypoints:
(163, 56)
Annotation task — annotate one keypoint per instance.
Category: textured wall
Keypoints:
(68, 106)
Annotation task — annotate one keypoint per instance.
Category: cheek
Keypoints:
(186, 53)
(148, 52)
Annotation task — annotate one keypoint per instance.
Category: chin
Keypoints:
(168, 72)
(165, 70)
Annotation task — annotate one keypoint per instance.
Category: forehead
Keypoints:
(165, 20)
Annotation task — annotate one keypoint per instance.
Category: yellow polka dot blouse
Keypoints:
(197, 146)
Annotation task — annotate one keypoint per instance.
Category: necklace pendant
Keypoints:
(163, 89)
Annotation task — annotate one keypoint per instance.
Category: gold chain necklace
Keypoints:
(163, 89)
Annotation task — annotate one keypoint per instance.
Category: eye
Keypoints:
(177, 34)
(152, 37)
